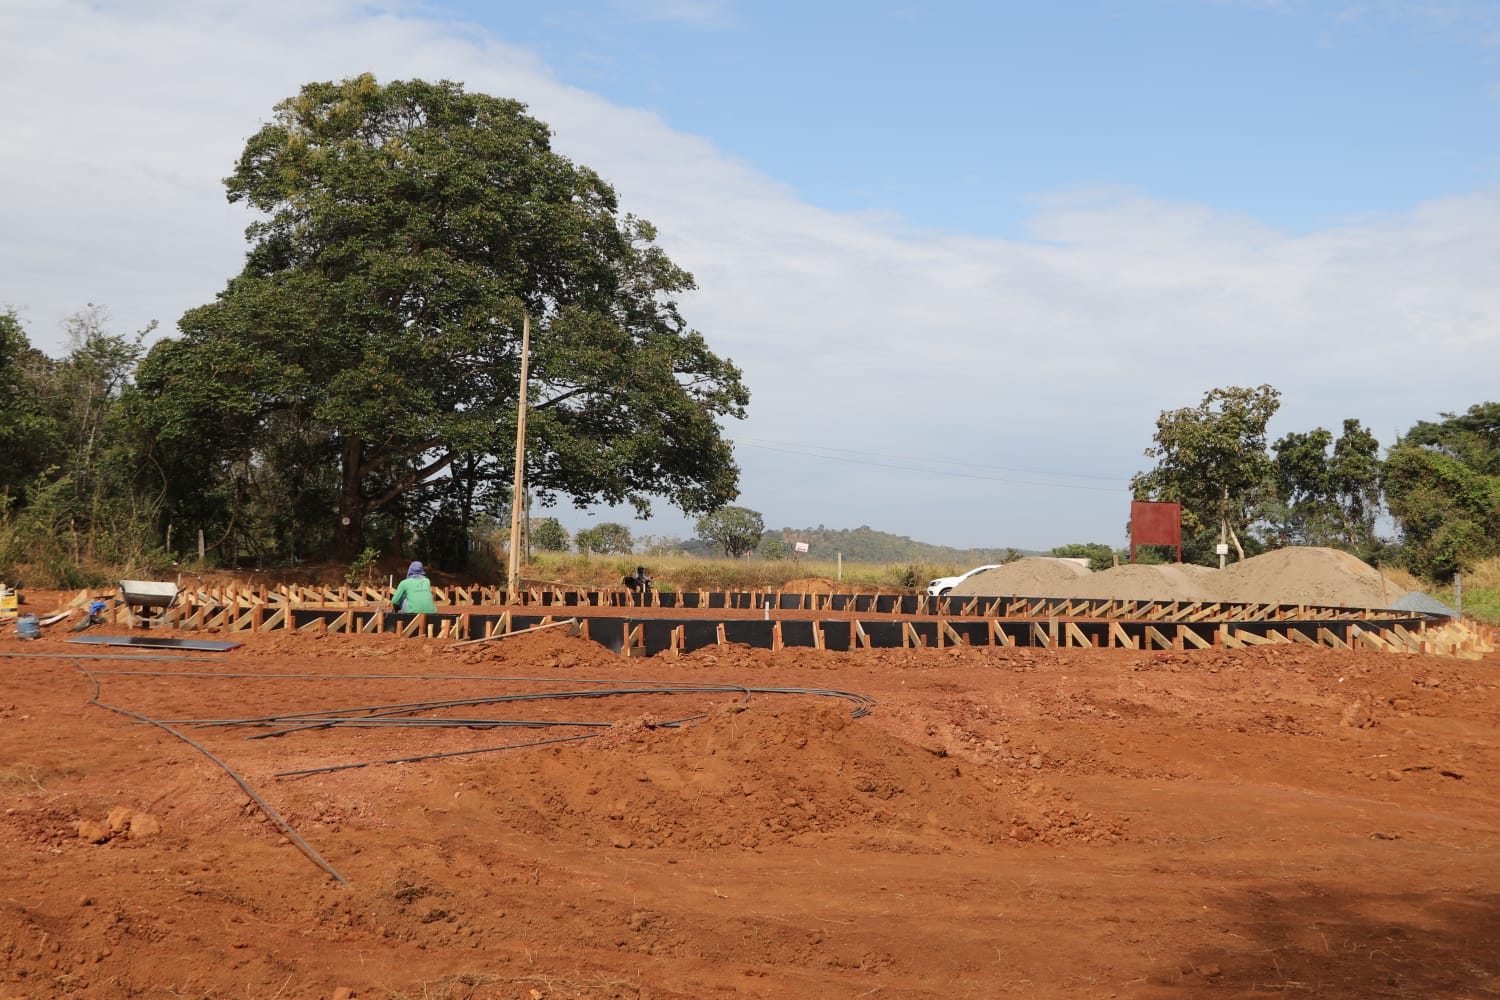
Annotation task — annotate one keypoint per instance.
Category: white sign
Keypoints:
(800, 547)
(1221, 549)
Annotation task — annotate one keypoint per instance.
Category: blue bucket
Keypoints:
(27, 627)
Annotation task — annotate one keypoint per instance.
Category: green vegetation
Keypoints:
(606, 538)
(736, 530)
(1211, 458)
(1442, 484)
(361, 374)
(548, 535)
(866, 545)
(1100, 556)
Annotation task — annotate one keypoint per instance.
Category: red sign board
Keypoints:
(1155, 524)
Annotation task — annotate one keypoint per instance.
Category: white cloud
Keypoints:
(1049, 355)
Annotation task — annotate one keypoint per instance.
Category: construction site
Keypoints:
(1278, 778)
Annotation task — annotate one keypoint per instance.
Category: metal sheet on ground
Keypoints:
(154, 642)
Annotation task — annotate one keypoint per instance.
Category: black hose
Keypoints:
(265, 806)
(462, 753)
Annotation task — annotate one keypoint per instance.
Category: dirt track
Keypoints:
(1006, 822)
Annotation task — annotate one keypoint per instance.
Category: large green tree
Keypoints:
(549, 535)
(736, 530)
(1442, 486)
(610, 537)
(68, 466)
(1327, 490)
(1211, 458)
(406, 229)
(31, 435)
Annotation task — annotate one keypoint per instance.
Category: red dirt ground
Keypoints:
(1005, 822)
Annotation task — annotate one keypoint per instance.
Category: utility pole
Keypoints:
(517, 492)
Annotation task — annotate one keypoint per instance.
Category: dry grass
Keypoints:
(25, 779)
(463, 986)
(678, 573)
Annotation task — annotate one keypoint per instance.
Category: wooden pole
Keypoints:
(517, 493)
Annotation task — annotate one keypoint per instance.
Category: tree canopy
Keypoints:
(548, 535)
(1442, 486)
(736, 530)
(609, 538)
(1212, 459)
(1326, 491)
(367, 357)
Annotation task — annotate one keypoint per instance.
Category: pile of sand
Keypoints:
(1176, 582)
(1033, 576)
(1305, 576)
(1297, 575)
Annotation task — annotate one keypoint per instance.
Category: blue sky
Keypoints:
(953, 115)
(964, 253)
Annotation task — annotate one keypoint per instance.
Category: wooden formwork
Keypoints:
(1041, 622)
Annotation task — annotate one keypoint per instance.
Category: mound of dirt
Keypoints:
(810, 585)
(1295, 575)
(1033, 576)
(768, 772)
(1304, 575)
(1171, 582)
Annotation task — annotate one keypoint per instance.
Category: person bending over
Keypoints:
(414, 594)
(640, 583)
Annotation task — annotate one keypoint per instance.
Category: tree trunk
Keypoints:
(1234, 539)
(349, 529)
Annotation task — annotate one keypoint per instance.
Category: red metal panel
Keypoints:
(1154, 523)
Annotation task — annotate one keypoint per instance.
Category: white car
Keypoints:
(943, 584)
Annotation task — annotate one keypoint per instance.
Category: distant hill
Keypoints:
(865, 544)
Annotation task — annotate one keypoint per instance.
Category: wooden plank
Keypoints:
(1327, 637)
(998, 636)
(1073, 636)
(909, 636)
(1155, 639)
(1119, 637)
(277, 620)
(1189, 637)
(947, 631)
(1041, 637)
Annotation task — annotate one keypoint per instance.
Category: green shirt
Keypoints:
(414, 596)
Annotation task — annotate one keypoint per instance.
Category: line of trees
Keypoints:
(355, 386)
(1439, 483)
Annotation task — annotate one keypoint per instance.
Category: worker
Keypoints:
(414, 594)
(640, 583)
